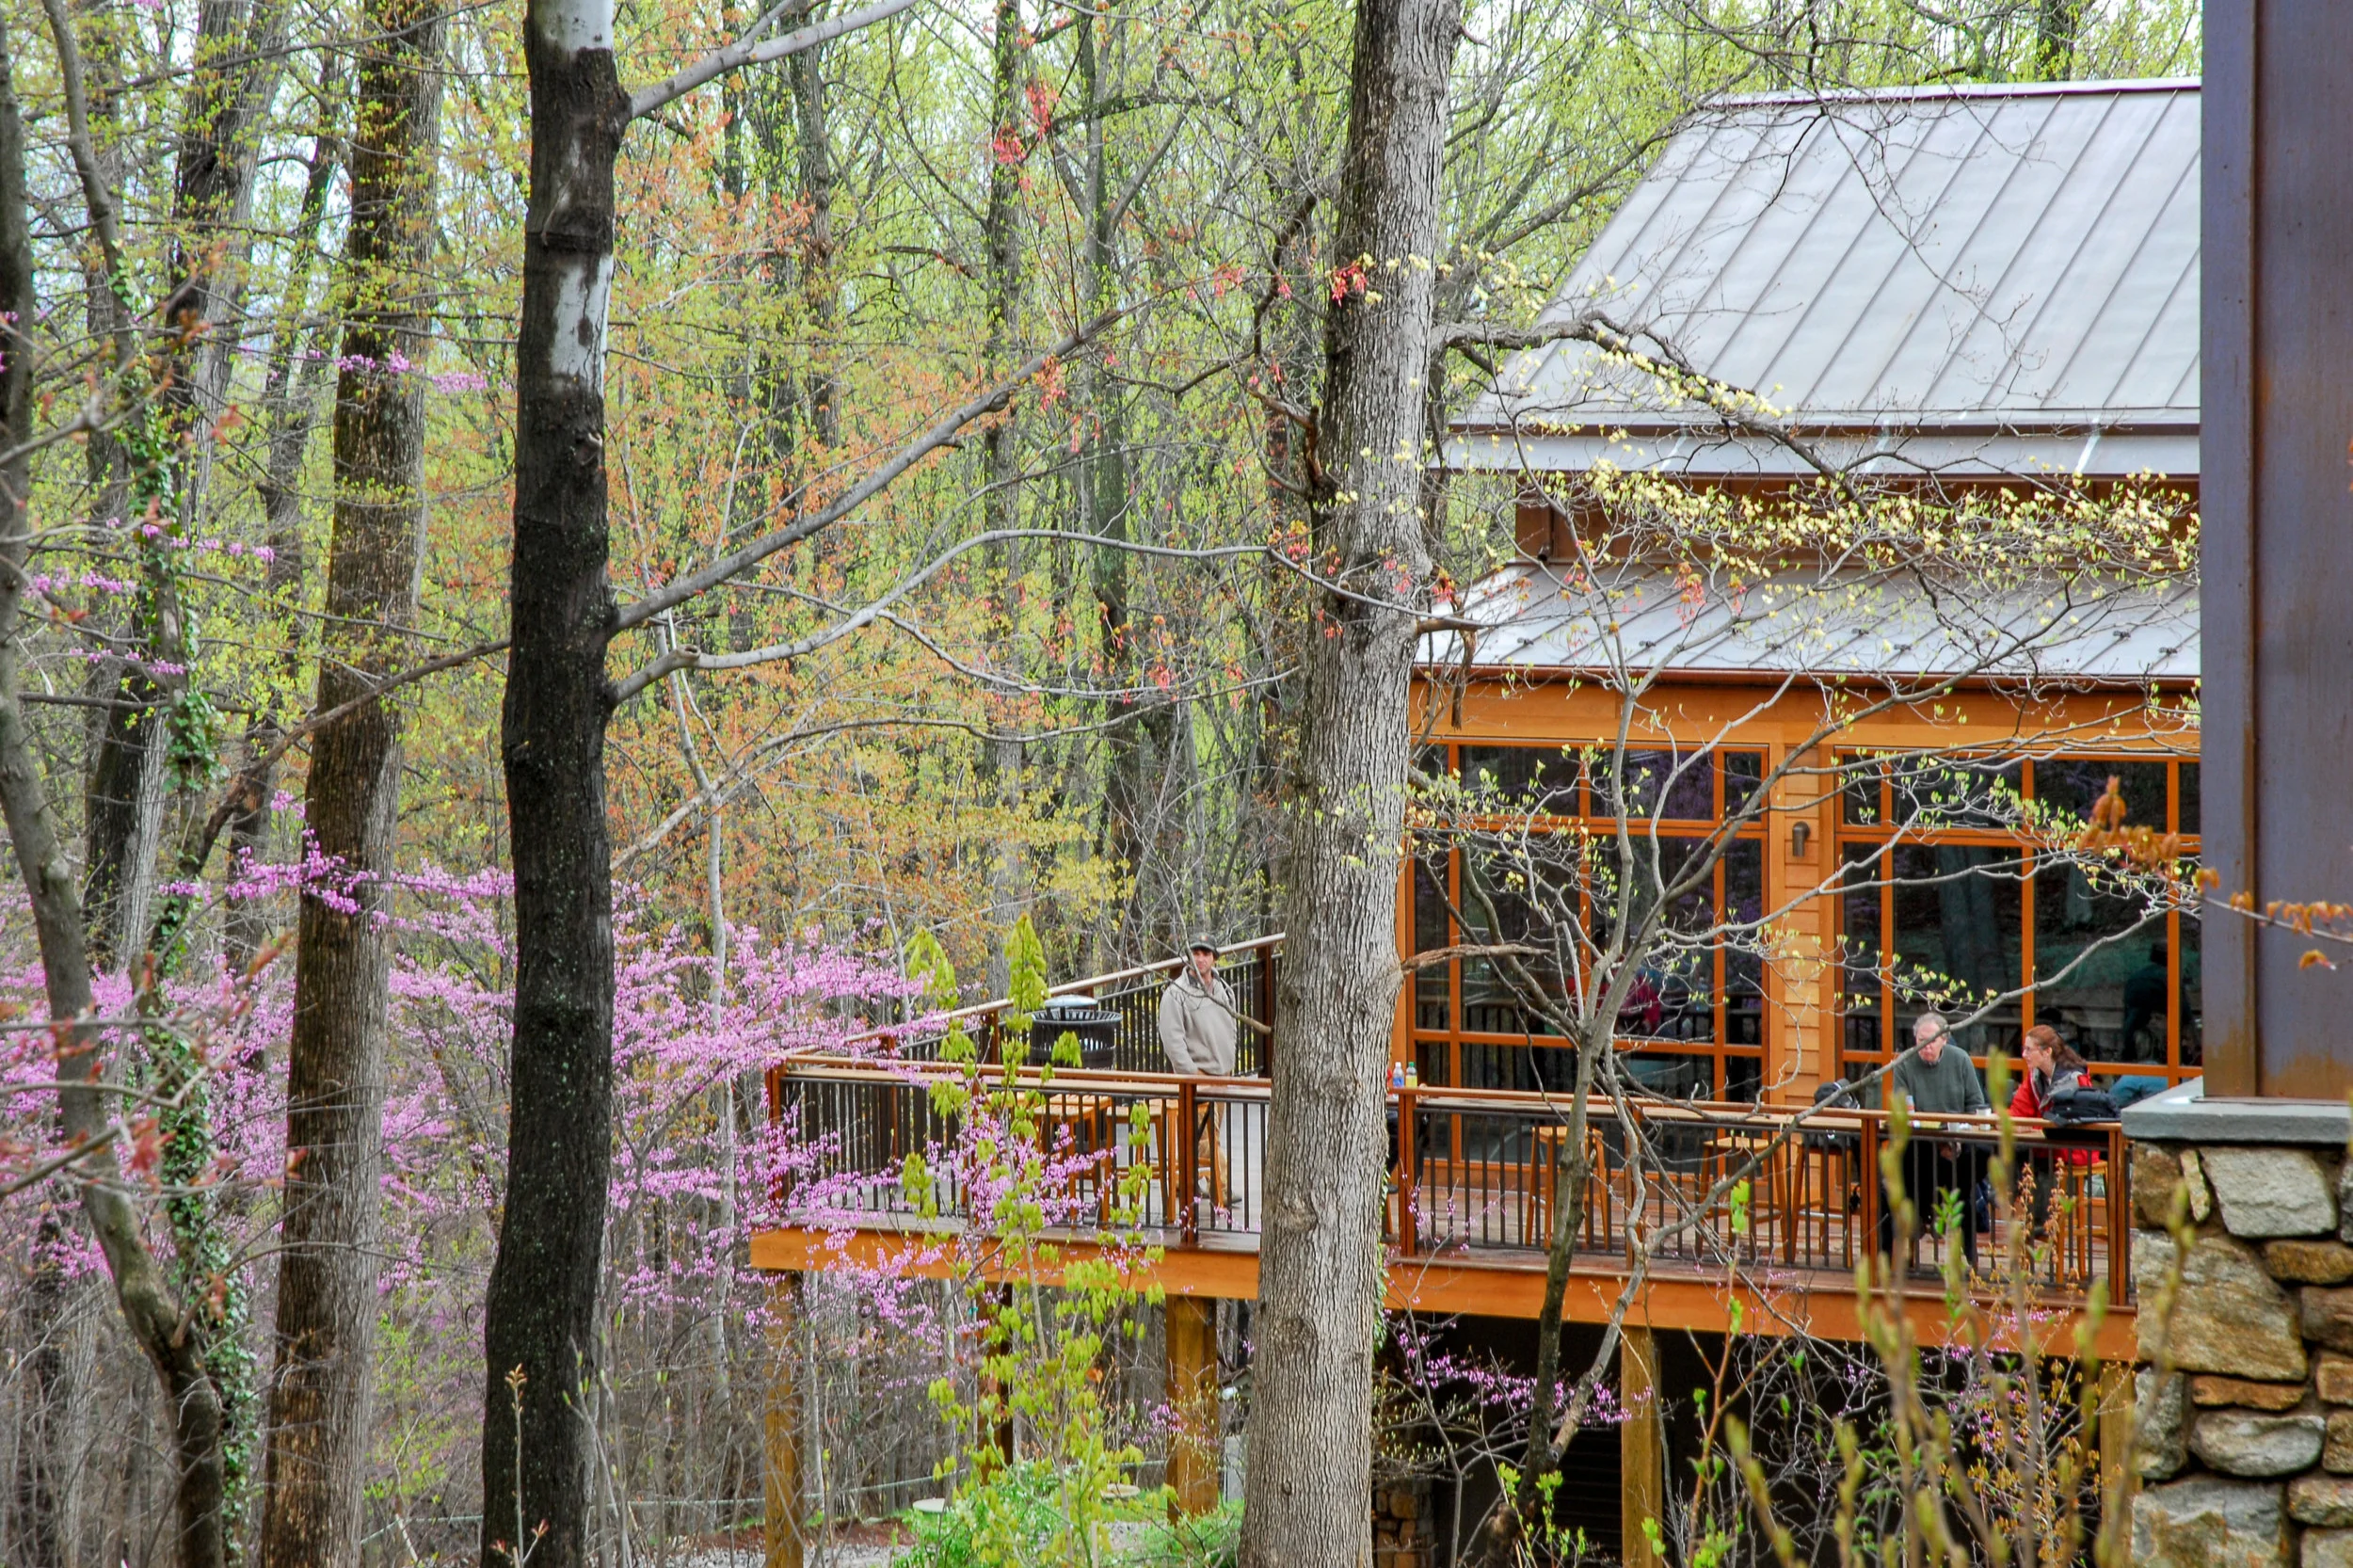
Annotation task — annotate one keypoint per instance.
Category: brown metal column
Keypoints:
(2275, 413)
(1195, 1449)
(1642, 1448)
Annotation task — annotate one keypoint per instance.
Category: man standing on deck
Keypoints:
(1197, 1029)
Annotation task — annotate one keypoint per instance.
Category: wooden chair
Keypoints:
(1082, 1132)
(1546, 1148)
(1775, 1186)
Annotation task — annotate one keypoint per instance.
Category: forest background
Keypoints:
(1044, 672)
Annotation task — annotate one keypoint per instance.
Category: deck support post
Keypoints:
(781, 1431)
(1642, 1446)
(1195, 1449)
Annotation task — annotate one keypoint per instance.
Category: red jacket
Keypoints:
(2028, 1102)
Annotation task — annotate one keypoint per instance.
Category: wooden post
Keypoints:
(1269, 957)
(1195, 1450)
(787, 1510)
(1408, 1172)
(1189, 1160)
(1642, 1446)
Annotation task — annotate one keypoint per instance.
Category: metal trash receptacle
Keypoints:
(1096, 1028)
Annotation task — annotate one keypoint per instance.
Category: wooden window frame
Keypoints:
(1717, 1051)
(2172, 1069)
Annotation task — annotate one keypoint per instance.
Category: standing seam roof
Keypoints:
(2016, 258)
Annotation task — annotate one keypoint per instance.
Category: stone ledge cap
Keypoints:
(2185, 1114)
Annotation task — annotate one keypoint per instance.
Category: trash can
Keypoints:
(1098, 1030)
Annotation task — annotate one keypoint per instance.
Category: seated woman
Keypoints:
(2051, 1063)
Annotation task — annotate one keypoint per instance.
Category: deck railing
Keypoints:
(1471, 1174)
(1248, 970)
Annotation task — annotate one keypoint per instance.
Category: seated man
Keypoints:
(1936, 1078)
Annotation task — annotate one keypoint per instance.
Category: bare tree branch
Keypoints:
(747, 50)
(681, 590)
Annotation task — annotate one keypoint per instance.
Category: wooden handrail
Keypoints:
(1069, 988)
(1426, 1097)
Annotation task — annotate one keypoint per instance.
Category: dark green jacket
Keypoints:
(1949, 1088)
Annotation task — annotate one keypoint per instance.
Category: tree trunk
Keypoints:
(155, 1318)
(290, 396)
(318, 1427)
(238, 50)
(2056, 26)
(240, 45)
(540, 1315)
(1320, 1271)
(1001, 505)
(1572, 1171)
(37, 1525)
(1138, 731)
(123, 813)
(819, 285)
(115, 793)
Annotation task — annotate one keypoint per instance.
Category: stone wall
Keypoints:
(2244, 1453)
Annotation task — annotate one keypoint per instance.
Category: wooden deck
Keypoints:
(1468, 1200)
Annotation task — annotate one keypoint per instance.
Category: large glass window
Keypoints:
(1693, 1019)
(1950, 904)
(1433, 1004)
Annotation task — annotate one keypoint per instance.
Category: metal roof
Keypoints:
(1637, 619)
(1972, 280)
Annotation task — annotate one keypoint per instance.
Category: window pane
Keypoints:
(1859, 954)
(1859, 797)
(1744, 1078)
(1661, 783)
(1673, 993)
(1744, 964)
(1673, 998)
(1672, 1074)
(1535, 779)
(2189, 797)
(1430, 1061)
(1491, 1005)
(1521, 1067)
(2070, 785)
(1433, 987)
(1947, 792)
(1744, 771)
(1958, 938)
(2192, 932)
(1658, 861)
(2111, 1007)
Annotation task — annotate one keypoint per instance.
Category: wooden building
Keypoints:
(1961, 293)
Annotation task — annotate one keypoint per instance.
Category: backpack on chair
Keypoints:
(2079, 1104)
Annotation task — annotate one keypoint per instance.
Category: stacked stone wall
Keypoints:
(2245, 1449)
(1402, 1533)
